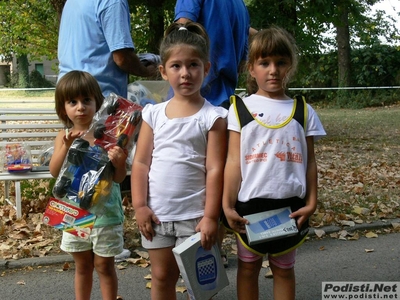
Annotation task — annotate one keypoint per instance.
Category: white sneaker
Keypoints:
(122, 256)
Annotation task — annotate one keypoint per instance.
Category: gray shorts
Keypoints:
(103, 241)
(171, 234)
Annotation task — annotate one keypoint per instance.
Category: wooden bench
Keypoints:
(36, 128)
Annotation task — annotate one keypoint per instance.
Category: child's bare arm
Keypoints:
(232, 181)
(215, 162)
(62, 144)
(118, 157)
(312, 186)
(139, 182)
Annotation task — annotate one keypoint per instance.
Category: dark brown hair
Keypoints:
(72, 85)
(192, 34)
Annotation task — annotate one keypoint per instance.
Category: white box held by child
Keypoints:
(202, 270)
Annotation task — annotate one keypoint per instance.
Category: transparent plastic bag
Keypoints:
(18, 158)
(45, 154)
(116, 123)
(148, 91)
(85, 178)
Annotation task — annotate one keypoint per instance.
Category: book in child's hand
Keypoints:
(270, 225)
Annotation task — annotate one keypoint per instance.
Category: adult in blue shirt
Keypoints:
(227, 24)
(95, 37)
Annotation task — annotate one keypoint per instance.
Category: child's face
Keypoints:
(184, 70)
(270, 73)
(80, 111)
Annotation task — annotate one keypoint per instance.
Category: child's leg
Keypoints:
(282, 268)
(164, 273)
(83, 274)
(247, 279)
(249, 266)
(107, 276)
(107, 242)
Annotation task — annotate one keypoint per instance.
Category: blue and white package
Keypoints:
(270, 225)
(202, 270)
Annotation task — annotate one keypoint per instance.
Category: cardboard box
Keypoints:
(69, 218)
(203, 271)
(270, 225)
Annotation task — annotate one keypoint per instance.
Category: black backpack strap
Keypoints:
(242, 113)
(245, 117)
(301, 112)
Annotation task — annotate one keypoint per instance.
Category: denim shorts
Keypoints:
(103, 241)
(171, 234)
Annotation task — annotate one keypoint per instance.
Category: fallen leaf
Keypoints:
(269, 274)
(265, 264)
(66, 266)
(334, 235)
(319, 232)
(357, 210)
(148, 285)
(354, 237)
(143, 254)
(21, 282)
(322, 248)
(147, 277)
(371, 234)
(369, 250)
(347, 223)
(396, 226)
(180, 289)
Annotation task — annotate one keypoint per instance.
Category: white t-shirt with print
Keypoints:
(273, 149)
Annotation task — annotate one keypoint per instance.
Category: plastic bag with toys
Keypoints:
(18, 158)
(148, 91)
(87, 173)
(85, 178)
(45, 154)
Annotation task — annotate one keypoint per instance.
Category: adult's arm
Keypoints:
(129, 62)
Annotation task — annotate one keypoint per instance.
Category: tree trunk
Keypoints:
(156, 23)
(58, 5)
(343, 43)
(23, 71)
(288, 9)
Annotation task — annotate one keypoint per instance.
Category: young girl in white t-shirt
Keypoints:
(177, 171)
(270, 163)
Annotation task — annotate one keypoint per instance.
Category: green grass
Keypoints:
(27, 94)
(27, 99)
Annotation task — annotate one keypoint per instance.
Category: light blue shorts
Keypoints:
(103, 241)
(285, 261)
(171, 234)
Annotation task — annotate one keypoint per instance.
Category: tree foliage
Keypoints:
(28, 27)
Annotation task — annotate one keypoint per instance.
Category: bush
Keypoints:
(38, 81)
